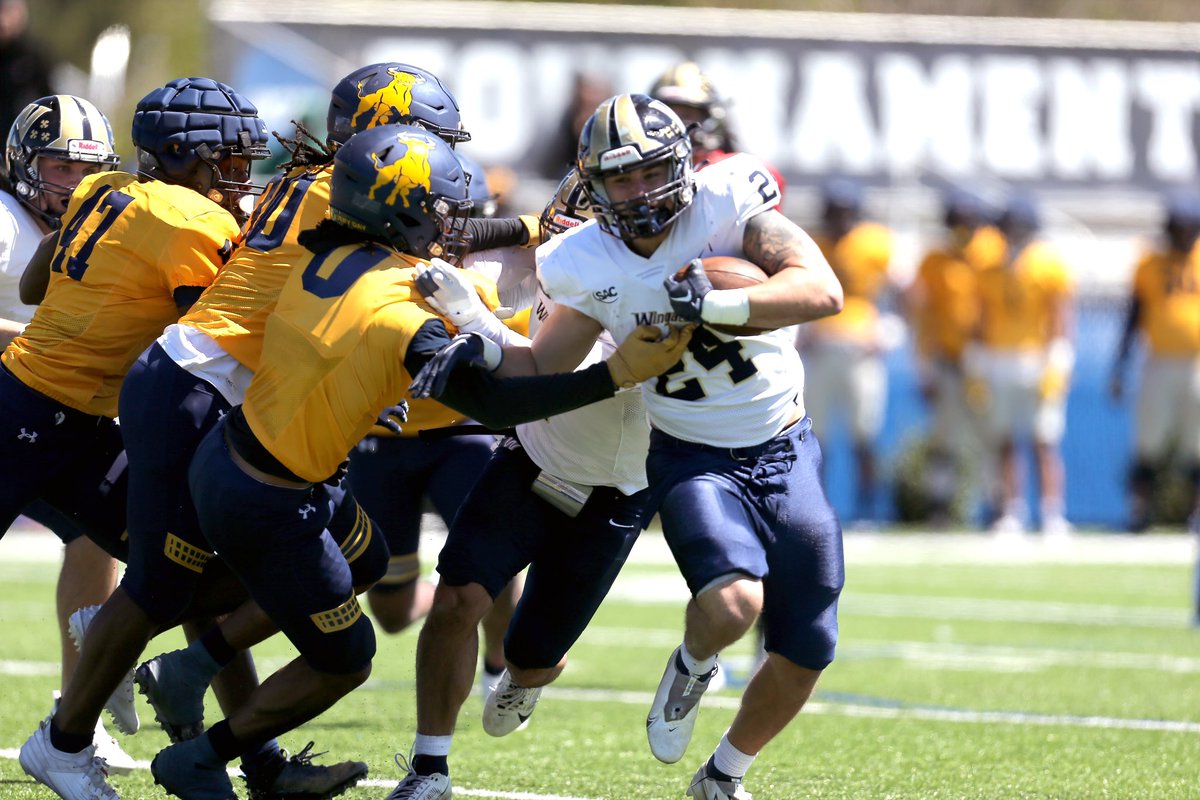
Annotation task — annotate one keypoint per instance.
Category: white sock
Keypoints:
(424, 745)
(695, 666)
(730, 760)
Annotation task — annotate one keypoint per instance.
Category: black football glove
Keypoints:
(464, 349)
(392, 416)
(686, 290)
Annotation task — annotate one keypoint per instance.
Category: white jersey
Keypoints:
(19, 238)
(602, 444)
(198, 353)
(726, 391)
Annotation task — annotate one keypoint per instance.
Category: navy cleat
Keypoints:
(297, 778)
(192, 771)
(176, 695)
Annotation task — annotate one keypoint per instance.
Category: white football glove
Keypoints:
(449, 292)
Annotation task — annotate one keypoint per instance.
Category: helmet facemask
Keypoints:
(628, 133)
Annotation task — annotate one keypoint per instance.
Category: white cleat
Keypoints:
(673, 716)
(509, 707)
(120, 705)
(420, 787)
(119, 762)
(706, 787)
(72, 776)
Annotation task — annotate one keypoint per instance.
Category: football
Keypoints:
(731, 272)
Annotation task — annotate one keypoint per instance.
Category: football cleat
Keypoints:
(73, 776)
(115, 758)
(676, 705)
(120, 705)
(706, 787)
(192, 770)
(508, 707)
(119, 762)
(420, 787)
(297, 778)
(178, 702)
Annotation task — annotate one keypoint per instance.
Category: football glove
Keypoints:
(449, 292)
(392, 416)
(693, 298)
(468, 349)
(646, 353)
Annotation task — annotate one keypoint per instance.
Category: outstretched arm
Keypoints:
(36, 276)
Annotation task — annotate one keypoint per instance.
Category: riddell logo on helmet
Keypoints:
(87, 147)
(566, 222)
(619, 157)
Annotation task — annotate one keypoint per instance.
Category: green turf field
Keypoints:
(968, 668)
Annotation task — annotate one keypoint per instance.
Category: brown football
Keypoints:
(731, 272)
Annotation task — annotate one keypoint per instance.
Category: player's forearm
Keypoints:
(9, 330)
(504, 402)
(795, 295)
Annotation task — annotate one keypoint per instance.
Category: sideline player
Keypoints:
(135, 251)
(1164, 311)
(731, 450)
(346, 333)
(843, 355)
(1024, 358)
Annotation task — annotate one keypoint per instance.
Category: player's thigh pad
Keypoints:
(501, 526)
(275, 540)
(358, 537)
(571, 575)
(167, 411)
(389, 476)
(40, 440)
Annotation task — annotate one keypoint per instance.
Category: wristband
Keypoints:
(726, 307)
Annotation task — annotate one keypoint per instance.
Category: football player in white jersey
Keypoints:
(733, 467)
(563, 496)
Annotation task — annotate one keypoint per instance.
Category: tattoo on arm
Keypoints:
(773, 242)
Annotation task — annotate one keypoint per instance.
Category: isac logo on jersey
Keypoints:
(608, 295)
(377, 105)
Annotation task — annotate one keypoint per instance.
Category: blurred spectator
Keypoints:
(1021, 366)
(588, 92)
(943, 310)
(691, 94)
(24, 67)
(1164, 306)
(843, 354)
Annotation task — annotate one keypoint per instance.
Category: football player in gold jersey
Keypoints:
(843, 354)
(1164, 311)
(1024, 359)
(943, 309)
(348, 331)
(134, 253)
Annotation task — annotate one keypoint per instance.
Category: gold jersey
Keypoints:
(1016, 299)
(860, 260)
(234, 309)
(333, 355)
(1167, 286)
(126, 245)
(945, 312)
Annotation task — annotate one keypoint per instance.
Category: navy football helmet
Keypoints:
(200, 133)
(61, 126)
(483, 202)
(403, 185)
(962, 209)
(568, 208)
(1182, 223)
(389, 93)
(628, 132)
